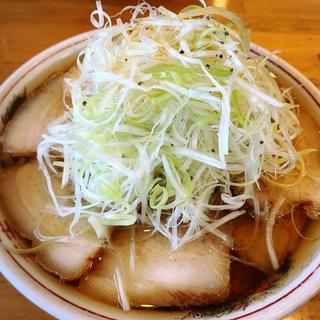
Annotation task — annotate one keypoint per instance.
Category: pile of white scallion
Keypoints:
(169, 116)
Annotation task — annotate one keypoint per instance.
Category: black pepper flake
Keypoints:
(84, 103)
(171, 144)
(221, 56)
(125, 59)
(231, 69)
(181, 52)
(221, 42)
(226, 33)
(208, 66)
(261, 142)
(212, 150)
(208, 18)
(139, 83)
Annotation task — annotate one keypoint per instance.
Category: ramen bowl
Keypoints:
(295, 287)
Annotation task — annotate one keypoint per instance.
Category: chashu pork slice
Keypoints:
(24, 131)
(252, 247)
(141, 269)
(24, 196)
(307, 192)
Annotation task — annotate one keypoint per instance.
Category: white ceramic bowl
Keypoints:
(298, 285)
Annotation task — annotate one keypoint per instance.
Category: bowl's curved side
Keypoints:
(66, 303)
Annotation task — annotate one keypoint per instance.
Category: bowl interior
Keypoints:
(65, 302)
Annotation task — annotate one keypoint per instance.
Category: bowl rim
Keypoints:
(41, 295)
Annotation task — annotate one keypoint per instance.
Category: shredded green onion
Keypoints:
(168, 110)
(34, 249)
